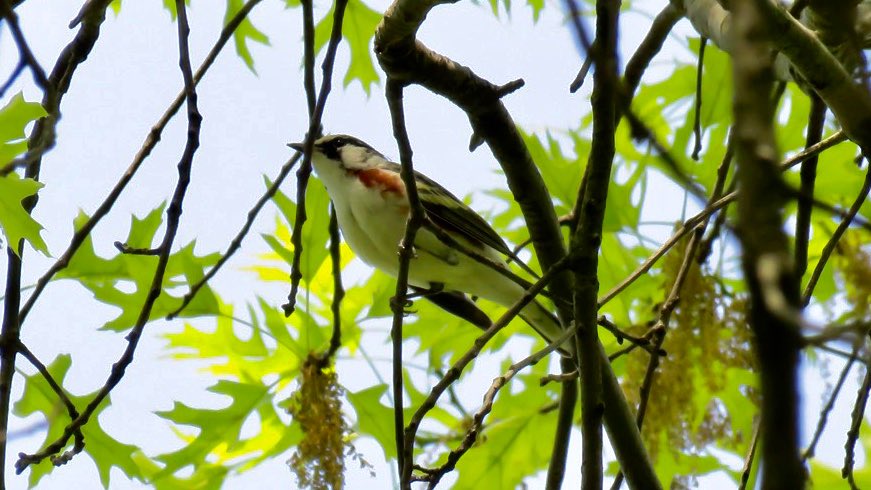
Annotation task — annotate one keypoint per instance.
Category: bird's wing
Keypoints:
(451, 214)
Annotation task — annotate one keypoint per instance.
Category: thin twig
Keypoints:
(565, 423)
(338, 289)
(836, 237)
(687, 227)
(173, 216)
(751, 455)
(827, 409)
(404, 449)
(148, 145)
(24, 52)
(433, 476)
(128, 250)
(643, 342)
(308, 59)
(236, 242)
(13, 76)
(855, 426)
(305, 170)
(57, 388)
(697, 117)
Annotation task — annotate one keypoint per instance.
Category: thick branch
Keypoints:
(405, 58)
(587, 239)
(806, 54)
(767, 263)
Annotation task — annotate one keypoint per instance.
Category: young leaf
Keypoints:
(219, 429)
(373, 418)
(358, 29)
(16, 222)
(245, 32)
(105, 451)
(109, 279)
(14, 117)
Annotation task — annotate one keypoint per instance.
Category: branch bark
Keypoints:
(767, 263)
(41, 139)
(404, 58)
(587, 239)
(800, 51)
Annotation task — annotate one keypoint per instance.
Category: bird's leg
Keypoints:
(434, 289)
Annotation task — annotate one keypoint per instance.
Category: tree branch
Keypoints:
(403, 57)
(768, 268)
(855, 427)
(587, 238)
(806, 54)
(305, 170)
(41, 139)
(816, 123)
(148, 145)
(173, 215)
(416, 216)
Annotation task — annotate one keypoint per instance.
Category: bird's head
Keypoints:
(345, 151)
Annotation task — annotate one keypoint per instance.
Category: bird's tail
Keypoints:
(547, 325)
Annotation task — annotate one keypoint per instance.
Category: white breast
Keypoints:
(371, 222)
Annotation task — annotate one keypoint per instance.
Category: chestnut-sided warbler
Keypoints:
(372, 208)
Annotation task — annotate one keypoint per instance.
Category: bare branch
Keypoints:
(855, 427)
(305, 170)
(148, 145)
(404, 447)
(41, 138)
(25, 55)
(827, 409)
(836, 237)
(433, 476)
(173, 215)
(765, 247)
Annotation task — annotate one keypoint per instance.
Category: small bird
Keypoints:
(372, 208)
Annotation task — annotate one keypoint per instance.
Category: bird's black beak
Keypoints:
(296, 146)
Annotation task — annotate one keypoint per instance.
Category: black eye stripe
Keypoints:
(331, 150)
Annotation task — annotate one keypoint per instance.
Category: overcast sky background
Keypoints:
(126, 84)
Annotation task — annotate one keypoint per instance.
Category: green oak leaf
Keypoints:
(14, 118)
(358, 29)
(245, 32)
(219, 430)
(111, 280)
(104, 450)
(16, 222)
(374, 418)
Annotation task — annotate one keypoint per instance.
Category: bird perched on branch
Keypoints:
(461, 253)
